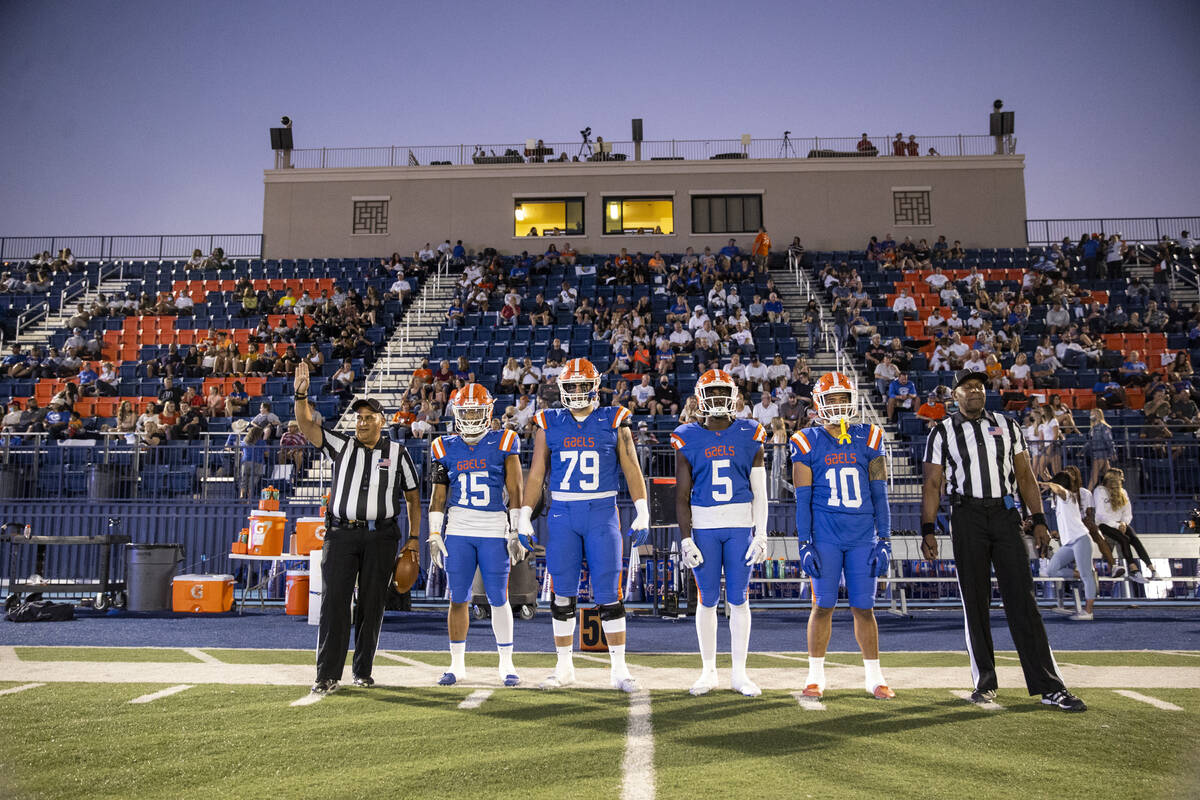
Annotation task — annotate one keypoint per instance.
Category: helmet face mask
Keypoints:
(472, 409)
(836, 406)
(716, 394)
(578, 393)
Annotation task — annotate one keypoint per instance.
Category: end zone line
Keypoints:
(150, 698)
(200, 655)
(808, 703)
(963, 694)
(638, 765)
(1142, 698)
(16, 689)
(475, 699)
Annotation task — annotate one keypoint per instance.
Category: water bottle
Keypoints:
(27, 531)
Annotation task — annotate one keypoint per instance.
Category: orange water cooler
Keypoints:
(204, 594)
(310, 534)
(266, 533)
(296, 602)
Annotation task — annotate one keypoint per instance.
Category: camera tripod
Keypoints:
(587, 145)
(787, 146)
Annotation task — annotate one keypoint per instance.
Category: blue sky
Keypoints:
(152, 117)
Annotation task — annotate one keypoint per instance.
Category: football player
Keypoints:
(476, 474)
(578, 448)
(721, 507)
(843, 523)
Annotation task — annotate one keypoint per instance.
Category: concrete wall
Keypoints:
(832, 204)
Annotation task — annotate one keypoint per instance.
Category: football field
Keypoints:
(189, 722)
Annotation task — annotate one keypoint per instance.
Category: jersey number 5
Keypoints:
(851, 494)
(476, 492)
(722, 484)
(588, 462)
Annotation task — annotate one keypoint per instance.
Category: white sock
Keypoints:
(616, 652)
(739, 636)
(816, 672)
(458, 658)
(565, 660)
(873, 674)
(706, 632)
(502, 628)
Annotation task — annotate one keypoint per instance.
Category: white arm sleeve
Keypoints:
(758, 504)
(436, 518)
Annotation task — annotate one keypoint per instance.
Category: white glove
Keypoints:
(437, 551)
(756, 553)
(525, 522)
(689, 554)
(516, 550)
(641, 515)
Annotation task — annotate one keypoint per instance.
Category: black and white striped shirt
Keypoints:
(368, 482)
(976, 455)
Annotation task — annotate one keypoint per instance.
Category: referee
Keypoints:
(982, 458)
(371, 476)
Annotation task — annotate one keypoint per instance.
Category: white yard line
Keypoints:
(308, 699)
(637, 767)
(150, 698)
(1177, 653)
(1154, 701)
(200, 655)
(475, 699)
(808, 703)
(590, 657)
(963, 694)
(16, 689)
(408, 661)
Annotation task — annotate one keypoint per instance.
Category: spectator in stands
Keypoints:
(864, 146)
(1051, 436)
(252, 463)
(1185, 416)
(761, 249)
(1042, 371)
(238, 401)
(267, 422)
(905, 307)
(523, 413)
(531, 376)
(774, 309)
(666, 397)
(765, 410)
(643, 396)
(975, 362)
(949, 296)
(1057, 318)
(189, 425)
(932, 410)
(902, 393)
(127, 418)
(1062, 415)
(293, 448)
(1133, 371)
(13, 421)
(1075, 555)
(1114, 517)
(1109, 393)
(1114, 256)
(885, 374)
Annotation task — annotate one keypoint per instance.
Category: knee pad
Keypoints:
(611, 611)
(562, 608)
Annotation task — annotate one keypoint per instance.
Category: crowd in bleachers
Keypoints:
(1067, 338)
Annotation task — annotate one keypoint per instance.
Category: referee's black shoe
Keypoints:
(1064, 700)
(982, 697)
(364, 682)
(326, 686)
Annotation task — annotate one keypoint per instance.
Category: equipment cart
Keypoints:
(27, 556)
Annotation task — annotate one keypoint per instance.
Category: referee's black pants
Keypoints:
(987, 537)
(349, 556)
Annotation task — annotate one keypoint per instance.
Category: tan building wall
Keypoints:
(832, 204)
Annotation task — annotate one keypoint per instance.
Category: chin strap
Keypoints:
(843, 432)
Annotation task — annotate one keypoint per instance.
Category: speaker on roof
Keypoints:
(637, 130)
(1001, 123)
(281, 138)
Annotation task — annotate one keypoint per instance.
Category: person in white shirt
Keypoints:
(975, 362)
(1114, 518)
(954, 322)
(765, 410)
(303, 303)
(1069, 503)
(524, 413)
(400, 287)
(736, 368)
(183, 302)
(937, 280)
(445, 248)
(643, 394)
(949, 296)
(935, 320)
(681, 339)
(974, 321)
(697, 319)
(707, 338)
(958, 349)
(743, 338)
(756, 371)
(1050, 435)
(885, 373)
(778, 369)
(426, 253)
(940, 361)
(905, 307)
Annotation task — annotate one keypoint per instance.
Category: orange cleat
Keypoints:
(882, 692)
(812, 690)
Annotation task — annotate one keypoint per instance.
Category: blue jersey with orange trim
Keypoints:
(720, 460)
(840, 476)
(476, 471)
(583, 455)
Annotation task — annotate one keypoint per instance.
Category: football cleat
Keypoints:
(1064, 701)
(327, 686)
(745, 686)
(626, 684)
(813, 690)
(447, 679)
(704, 684)
(981, 697)
(559, 680)
(512, 679)
(364, 682)
(882, 692)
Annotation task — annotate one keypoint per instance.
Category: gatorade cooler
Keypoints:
(204, 594)
(310, 534)
(296, 602)
(315, 586)
(266, 533)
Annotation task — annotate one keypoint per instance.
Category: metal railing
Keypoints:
(136, 247)
(656, 150)
(1131, 229)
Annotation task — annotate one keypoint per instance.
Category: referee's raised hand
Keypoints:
(304, 417)
(302, 378)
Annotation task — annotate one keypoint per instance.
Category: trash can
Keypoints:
(148, 572)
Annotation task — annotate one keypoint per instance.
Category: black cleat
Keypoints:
(326, 686)
(364, 682)
(1064, 700)
(983, 696)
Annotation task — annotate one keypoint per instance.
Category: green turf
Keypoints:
(244, 656)
(476, 659)
(237, 742)
(109, 654)
(925, 744)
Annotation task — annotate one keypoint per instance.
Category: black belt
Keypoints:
(358, 524)
(981, 502)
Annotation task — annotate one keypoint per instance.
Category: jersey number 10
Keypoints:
(851, 490)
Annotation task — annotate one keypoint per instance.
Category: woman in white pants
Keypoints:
(1076, 550)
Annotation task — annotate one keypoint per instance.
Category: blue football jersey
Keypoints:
(583, 455)
(476, 471)
(840, 476)
(721, 460)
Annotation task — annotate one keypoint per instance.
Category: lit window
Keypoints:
(548, 217)
(639, 215)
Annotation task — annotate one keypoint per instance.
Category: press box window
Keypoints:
(732, 213)
(543, 217)
(639, 215)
